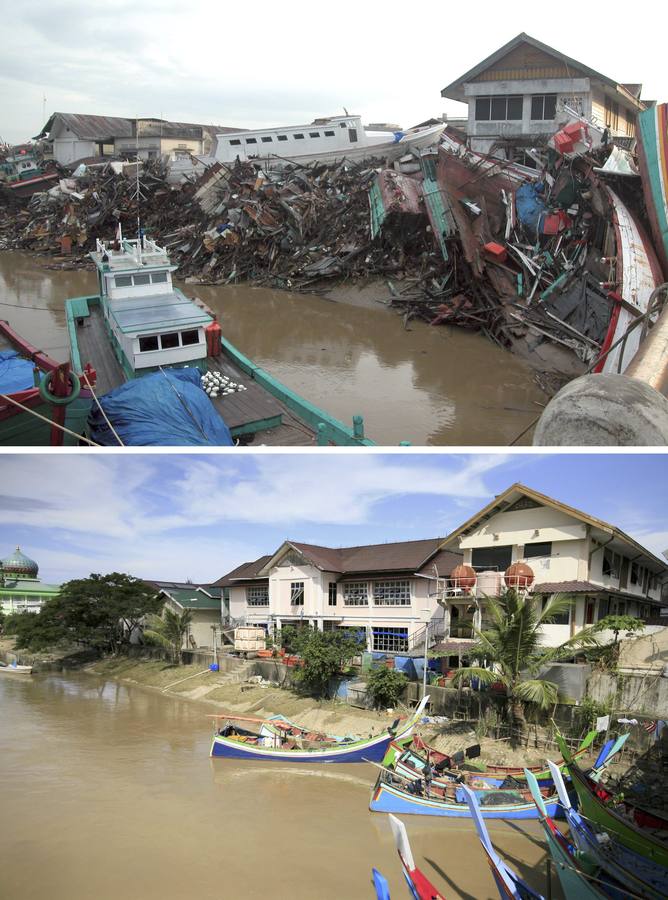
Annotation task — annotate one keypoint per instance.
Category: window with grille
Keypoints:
(392, 593)
(257, 595)
(356, 593)
(297, 593)
(332, 593)
(539, 548)
(543, 106)
(498, 109)
(392, 640)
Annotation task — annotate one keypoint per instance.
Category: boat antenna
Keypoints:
(138, 194)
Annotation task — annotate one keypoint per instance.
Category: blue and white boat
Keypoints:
(278, 740)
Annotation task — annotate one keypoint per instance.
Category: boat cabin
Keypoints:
(151, 323)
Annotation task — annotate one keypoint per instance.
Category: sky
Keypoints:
(197, 516)
(263, 64)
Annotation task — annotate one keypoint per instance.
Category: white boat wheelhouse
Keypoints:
(151, 323)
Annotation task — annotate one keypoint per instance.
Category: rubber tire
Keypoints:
(48, 397)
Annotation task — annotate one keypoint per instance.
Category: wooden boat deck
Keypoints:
(253, 416)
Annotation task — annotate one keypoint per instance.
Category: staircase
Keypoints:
(238, 674)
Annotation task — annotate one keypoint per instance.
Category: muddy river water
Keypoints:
(107, 791)
(437, 386)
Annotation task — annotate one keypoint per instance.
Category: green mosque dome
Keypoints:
(20, 565)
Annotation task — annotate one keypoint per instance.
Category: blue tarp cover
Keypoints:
(15, 372)
(530, 205)
(147, 412)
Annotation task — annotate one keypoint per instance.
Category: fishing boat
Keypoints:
(42, 402)
(14, 669)
(279, 740)
(140, 324)
(397, 795)
(419, 886)
(22, 176)
(653, 163)
(509, 885)
(618, 819)
(409, 758)
(324, 140)
(638, 875)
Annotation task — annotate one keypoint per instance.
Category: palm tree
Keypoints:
(170, 630)
(512, 646)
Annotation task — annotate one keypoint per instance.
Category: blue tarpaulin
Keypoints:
(530, 205)
(16, 374)
(163, 409)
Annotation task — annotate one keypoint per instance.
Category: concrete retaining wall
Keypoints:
(634, 694)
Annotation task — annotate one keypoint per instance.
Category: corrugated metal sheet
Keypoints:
(92, 128)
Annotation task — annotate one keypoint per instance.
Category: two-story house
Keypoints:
(517, 96)
(561, 551)
(390, 591)
(387, 591)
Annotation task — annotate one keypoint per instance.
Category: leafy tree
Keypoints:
(324, 654)
(617, 624)
(169, 630)
(385, 686)
(102, 611)
(512, 646)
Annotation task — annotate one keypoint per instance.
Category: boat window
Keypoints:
(169, 341)
(314, 134)
(235, 142)
(251, 140)
(159, 277)
(298, 137)
(266, 140)
(123, 280)
(282, 137)
(329, 134)
(142, 278)
(342, 125)
(148, 342)
(352, 134)
(189, 337)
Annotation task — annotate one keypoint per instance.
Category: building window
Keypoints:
(298, 137)
(356, 593)
(495, 558)
(332, 593)
(148, 342)
(611, 563)
(392, 640)
(159, 278)
(543, 106)
(297, 593)
(611, 114)
(540, 548)
(169, 341)
(235, 142)
(634, 574)
(189, 337)
(561, 619)
(392, 593)
(257, 595)
(282, 137)
(266, 140)
(498, 109)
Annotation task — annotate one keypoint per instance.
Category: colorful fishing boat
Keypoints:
(140, 323)
(42, 402)
(616, 819)
(509, 885)
(638, 875)
(419, 886)
(397, 795)
(22, 175)
(653, 163)
(279, 740)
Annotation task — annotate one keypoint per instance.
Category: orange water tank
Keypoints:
(519, 576)
(463, 577)
(213, 336)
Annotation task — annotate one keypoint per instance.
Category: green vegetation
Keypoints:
(169, 630)
(512, 646)
(385, 686)
(324, 654)
(102, 612)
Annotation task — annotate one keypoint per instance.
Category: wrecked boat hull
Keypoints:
(653, 161)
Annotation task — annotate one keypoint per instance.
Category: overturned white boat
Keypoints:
(324, 140)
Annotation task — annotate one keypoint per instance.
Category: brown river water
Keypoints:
(438, 386)
(107, 791)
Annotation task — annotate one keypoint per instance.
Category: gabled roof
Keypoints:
(92, 128)
(454, 90)
(171, 586)
(195, 598)
(247, 571)
(506, 499)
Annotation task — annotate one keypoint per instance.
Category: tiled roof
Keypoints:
(587, 587)
(244, 571)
